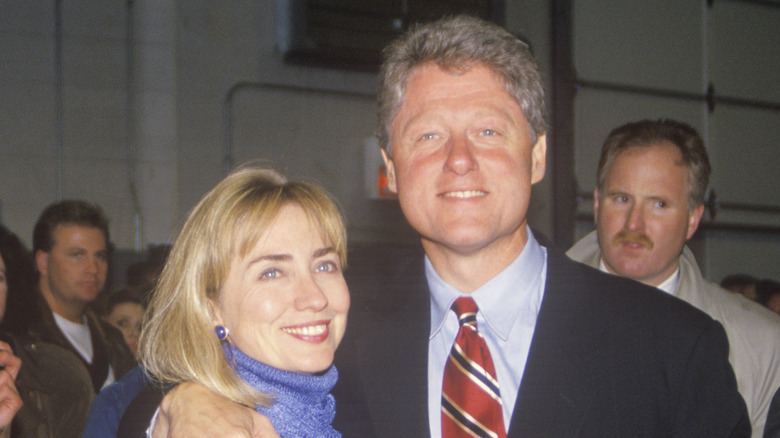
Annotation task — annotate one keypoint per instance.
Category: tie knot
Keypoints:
(466, 309)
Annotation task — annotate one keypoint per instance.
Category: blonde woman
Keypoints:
(252, 302)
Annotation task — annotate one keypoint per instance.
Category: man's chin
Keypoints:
(89, 296)
(631, 268)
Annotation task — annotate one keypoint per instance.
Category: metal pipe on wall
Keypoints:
(769, 3)
(710, 98)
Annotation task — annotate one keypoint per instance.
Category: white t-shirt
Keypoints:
(78, 335)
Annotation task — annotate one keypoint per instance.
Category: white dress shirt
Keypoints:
(508, 305)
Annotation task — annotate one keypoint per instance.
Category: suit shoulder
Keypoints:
(619, 297)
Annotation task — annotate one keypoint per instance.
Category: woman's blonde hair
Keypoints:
(178, 343)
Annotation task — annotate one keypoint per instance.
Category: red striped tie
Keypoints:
(470, 402)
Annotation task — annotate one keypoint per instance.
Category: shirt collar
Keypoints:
(518, 287)
(669, 285)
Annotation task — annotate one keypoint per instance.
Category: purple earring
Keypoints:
(221, 332)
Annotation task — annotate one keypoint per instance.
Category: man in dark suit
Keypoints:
(577, 353)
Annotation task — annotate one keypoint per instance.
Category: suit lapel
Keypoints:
(395, 368)
(393, 354)
(559, 379)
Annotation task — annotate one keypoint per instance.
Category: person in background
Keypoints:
(652, 177)
(772, 428)
(52, 389)
(768, 294)
(742, 284)
(11, 277)
(124, 309)
(71, 253)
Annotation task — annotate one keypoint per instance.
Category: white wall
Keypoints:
(142, 130)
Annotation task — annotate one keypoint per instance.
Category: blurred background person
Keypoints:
(124, 309)
(11, 277)
(71, 253)
(52, 382)
(768, 294)
(742, 284)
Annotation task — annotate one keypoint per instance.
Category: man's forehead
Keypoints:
(635, 164)
(69, 229)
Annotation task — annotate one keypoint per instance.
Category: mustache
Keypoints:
(633, 238)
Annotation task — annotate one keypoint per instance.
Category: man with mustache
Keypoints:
(652, 178)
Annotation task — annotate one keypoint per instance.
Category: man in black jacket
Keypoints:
(577, 353)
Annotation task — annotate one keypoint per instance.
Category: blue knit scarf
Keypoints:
(302, 407)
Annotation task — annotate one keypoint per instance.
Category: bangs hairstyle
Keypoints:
(649, 133)
(456, 44)
(178, 343)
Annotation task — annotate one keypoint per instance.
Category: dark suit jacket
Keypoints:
(609, 358)
(772, 428)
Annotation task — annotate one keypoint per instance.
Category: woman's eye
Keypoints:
(328, 266)
(269, 274)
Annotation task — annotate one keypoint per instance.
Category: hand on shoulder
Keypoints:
(191, 411)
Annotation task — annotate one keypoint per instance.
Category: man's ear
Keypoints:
(694, 217)
(390, 166)
(596, 205)
(42, 262)
(539, 159)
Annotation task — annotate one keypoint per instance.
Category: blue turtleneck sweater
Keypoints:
(303, 406)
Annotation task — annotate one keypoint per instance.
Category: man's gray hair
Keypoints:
(457, 44)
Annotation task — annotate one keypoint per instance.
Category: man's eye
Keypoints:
(489, 132)
(621, 199)
(429, 136)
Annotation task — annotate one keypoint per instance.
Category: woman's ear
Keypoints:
(214, 313)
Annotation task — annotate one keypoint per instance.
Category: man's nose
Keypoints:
(635, 220)
(93, 264)
(460, 155)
